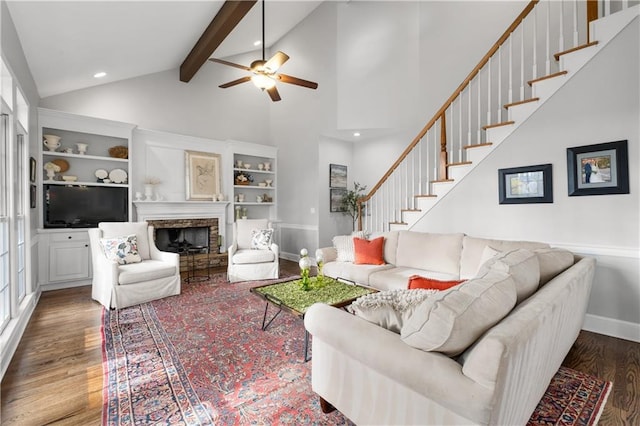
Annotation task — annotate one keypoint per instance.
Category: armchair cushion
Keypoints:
(144, 271)
(244, 256)
(244, 230)
(122, 250)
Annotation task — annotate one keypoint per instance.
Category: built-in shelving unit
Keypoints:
(258, 198)
(84, 147)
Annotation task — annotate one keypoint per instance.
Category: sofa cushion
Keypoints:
(145, 271)
(348, 270)
(472, 249)
(123, 250)
(430, 251)
(522, 264)
(390, 244)
(417, 282)
(392, 278)
(389, 309)
(344, 246)
(368, 252)
(553, 261)
(253, 256)
(452, 320)
(140, 229)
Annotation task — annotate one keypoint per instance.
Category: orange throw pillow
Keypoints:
(368, 252)
(416, 281)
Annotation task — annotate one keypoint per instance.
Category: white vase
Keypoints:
(82, 148)
(148, 192)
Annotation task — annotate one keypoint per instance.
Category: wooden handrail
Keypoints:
(449, 101)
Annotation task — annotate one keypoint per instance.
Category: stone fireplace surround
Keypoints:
(186, 214)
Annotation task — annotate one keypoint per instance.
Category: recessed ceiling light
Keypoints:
(356, 134)
(100, 74)
(257, 43)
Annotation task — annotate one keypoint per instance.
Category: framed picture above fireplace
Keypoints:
(202, 175)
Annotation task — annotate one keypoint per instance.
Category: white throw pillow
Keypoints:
(344, 246)
(451, 321)
(488, 253)
(389, 309)
(123, 250)
(261, 239)
(522, 264)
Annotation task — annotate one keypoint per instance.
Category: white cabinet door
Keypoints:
(69, 261)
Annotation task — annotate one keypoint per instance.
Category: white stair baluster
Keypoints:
(522, 83)
(607, 7)
(469, 115)
(489, 93)
(499, 82)
(460, 127)
(561, 35)
(479, 110)
(548, 41)
(534, 73)
(510, 95)
(575, 23)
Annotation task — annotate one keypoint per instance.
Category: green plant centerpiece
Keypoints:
(305, 267)
(351, 200)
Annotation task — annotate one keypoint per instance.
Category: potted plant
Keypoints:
(351, 200)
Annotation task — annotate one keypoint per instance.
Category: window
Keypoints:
(20, 209)
(5, 264)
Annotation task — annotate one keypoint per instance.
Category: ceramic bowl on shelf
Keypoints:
(247, 166)
(268, 182)
(69, 178)
(262, 184)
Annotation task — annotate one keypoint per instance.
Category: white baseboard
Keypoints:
(612, 327)
(13, 333)
(290, 256)
(65, 284)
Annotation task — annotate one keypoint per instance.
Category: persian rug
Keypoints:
(201, 358)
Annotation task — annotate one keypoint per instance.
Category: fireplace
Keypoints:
(190, 237)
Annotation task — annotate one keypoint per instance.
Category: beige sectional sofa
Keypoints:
(373, 376)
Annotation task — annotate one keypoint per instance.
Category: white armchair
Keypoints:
(118, 286)
(246, 263)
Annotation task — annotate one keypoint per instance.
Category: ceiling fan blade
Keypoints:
(276, 61)
(297, 81)
(273, 93)
(235, 82)
(231, 64)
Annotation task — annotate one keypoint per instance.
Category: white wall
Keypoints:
(601, 103)
(162, 102)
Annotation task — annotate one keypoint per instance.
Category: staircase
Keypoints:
(515, 78)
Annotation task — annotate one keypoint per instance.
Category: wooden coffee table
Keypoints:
(289, 297)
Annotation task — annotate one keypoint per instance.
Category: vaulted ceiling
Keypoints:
(67, 42)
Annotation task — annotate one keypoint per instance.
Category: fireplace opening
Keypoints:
(180, 240)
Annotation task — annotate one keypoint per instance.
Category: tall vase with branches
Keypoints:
(350, 202)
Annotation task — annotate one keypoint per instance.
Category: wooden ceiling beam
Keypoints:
(229, 15)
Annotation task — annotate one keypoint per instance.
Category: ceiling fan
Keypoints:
(264, 73)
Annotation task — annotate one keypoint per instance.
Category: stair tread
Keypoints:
(461, 163)
(480, 145)
(398, 223)
(442, 180)
(546, 77)
(410, 210)
(526, 101)
(425, 196)
(573, 49)
(504, 123)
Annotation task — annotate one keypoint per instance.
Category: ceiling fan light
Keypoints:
(262, 81)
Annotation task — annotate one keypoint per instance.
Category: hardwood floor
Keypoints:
(55, 376)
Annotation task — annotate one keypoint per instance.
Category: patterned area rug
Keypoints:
(200, 358)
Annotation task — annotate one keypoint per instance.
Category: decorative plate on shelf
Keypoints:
(62, 163)
(101, 173)
(118, 176)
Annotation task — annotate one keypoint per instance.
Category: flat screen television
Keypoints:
(67, 206)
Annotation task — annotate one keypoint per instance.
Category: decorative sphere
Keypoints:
(305, 263)
(319, 257)
(304, 252)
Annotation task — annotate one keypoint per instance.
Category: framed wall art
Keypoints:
(529, 184)
(337, 176)
(335, 200)
(32, 196)
(202, 175)
(598, 169)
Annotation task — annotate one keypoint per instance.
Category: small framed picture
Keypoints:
(337, 176)
(598, 169)
(32, 170)
(335, 201)
(530, 184)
